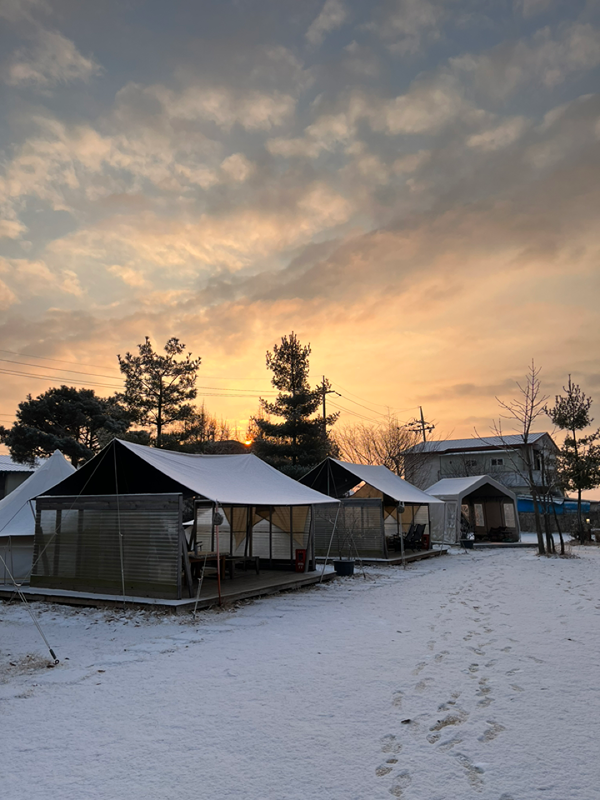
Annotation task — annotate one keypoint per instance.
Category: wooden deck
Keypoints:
(242, 587)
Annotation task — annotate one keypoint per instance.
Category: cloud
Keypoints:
(332, 16)
(409, 24)
(16, 10)
(237, 167)
(547, 58)
(499, 137)
(51, 60)
(253, 110)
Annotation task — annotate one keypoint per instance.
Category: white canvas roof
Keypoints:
(225, 479)
(384, 480)
(451, 488)
(379, 477)
(236, 479)
(16, 515)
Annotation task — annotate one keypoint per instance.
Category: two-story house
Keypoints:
(502, 457)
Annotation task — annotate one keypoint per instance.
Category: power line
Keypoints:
(58, 360)
(57, 369)
(55, 378)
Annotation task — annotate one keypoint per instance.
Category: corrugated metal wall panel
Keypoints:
(359, 528)
(90, 544)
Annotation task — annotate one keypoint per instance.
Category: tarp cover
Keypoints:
(16, 515)
(226, 479)
(455, 488)
(344, 476)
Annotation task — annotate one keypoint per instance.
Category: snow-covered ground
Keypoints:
(473, 675)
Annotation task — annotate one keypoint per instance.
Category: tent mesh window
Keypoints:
(359, 529)
(100, 543)
(273, 533)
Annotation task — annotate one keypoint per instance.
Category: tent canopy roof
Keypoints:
(128, 468)
(338, 477)
(457, 488)
(16, 517)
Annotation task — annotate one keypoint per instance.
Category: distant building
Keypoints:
(13, 474)
(503, 458)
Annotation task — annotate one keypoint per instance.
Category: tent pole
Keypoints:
(292, 536)
(330, 542)
(270, 537)
(216, 527)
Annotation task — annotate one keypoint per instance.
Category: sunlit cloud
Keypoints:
(411, 190)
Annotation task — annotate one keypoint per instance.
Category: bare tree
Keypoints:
(384, 444)
(522, 412)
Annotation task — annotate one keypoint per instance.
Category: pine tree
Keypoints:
(157, 387)
(300, 440)
(579, 459)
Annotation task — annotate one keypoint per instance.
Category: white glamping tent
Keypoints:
(17, 518)
(489, 508)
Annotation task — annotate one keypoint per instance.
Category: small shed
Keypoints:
(378, 509)
(17, 518)
(115, 526)
(478, 504)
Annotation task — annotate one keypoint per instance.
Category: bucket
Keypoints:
(344, 567)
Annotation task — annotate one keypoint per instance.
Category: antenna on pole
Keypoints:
(325, 390)
(420, 425)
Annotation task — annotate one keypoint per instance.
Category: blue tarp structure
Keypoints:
(525, 504)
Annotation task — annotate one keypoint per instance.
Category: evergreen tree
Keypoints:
(75, 421)
(579, 459)
(157, 387)
(299, 440)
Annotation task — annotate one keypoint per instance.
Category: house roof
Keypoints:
(127, 468)
(335, 478)
(457, 488)
(16, 515)
(8, 465)
(477, 443)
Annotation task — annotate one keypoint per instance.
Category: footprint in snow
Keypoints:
(420, 666)
(456, 717)
(389, 744)
(440, 656)
(474, 772)
(491, 732)
(397, 699)
(401, 782)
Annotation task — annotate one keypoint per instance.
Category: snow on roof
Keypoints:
(16, 515)
(459, 487)
(477, 443)
(8, 465)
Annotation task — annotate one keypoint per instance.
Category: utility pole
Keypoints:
(325, 390)
(421, 425)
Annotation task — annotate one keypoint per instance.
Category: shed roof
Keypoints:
(7, 464)
(338, 477)
(128, 468)
(483, 443)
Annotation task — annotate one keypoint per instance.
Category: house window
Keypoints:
(537, 461)
(497, 462)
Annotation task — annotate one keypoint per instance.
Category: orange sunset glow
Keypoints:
(413, 188)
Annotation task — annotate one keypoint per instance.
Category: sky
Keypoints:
(411, 186)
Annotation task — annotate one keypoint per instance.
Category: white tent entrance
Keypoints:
(478, 504)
